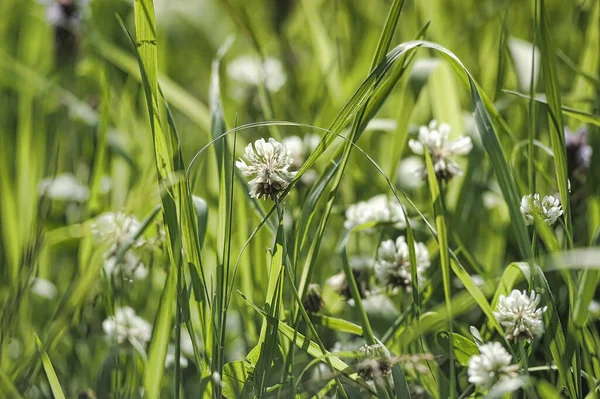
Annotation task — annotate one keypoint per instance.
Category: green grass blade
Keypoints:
(440, 223)
(50, 373)
(555, 116)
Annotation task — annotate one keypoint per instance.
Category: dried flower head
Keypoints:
(378, 209)
(374, 362)
(579, 152)
(549, 209)
(269, 162)
(519, 315)
(434, 139)
(491, 365)
(126, 325)
(313, 302)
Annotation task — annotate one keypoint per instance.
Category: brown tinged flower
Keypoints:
(313, 302)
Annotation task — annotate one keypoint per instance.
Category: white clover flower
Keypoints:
(250, 71)
(170, 358)
(549, 209)
(378, 209)
(64, 187)
(519, 315)
(116, 229)
(130, 266)
(269, 162)
(492, 364)
(393, 263)
(126, 325)
(434, 138)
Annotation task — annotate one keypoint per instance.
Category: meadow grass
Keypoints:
(152, 245)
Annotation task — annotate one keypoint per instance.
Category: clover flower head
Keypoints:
(116, 229)
(392, 267)
(126, 325)
(313, 302)
(130, 266)
(434, 139)
(549, 208)
(491, 365)
(269, 161)
(374, 361)
(251, 71)
(520, 316)
(63, 187)
(378, 209)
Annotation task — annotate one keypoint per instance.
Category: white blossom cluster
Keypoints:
(116, 229)
(269, 163)
(491, 365)
(548, 209)
(520, 316)
(63, 187)
(251, 71)
(126, 325)
(434, 139)
(393, 263)
(378, 209)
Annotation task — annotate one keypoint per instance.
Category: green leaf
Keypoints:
(235, 379)
(337, 324)
(464, 347)
(49, 369)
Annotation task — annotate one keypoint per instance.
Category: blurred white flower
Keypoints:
(492, 364)
(44, 288)
(594, 309)
(374, 361)
(64, 187)
(250, 71)
(434, 138)
(116, 229)
(409, 172)
(393, 263)
(170, 358)
(477, 280)
(269, 162)
(378, 209)
(130, 266)
(300, 148)
(519, 315)
(126, 325)
(549, 209)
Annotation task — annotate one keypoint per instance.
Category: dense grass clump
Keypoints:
(303, 199)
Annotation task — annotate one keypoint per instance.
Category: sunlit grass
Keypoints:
(374, 254)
